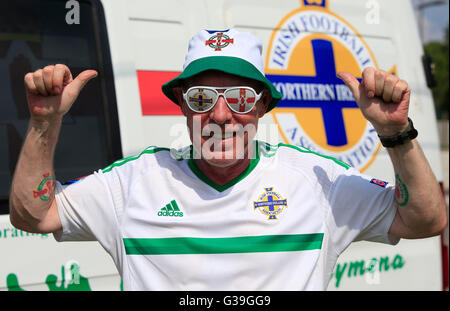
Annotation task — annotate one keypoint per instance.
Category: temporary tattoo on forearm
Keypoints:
(45, 188)
(401, 192)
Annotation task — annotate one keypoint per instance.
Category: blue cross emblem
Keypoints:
(325, 74)
(270, 203)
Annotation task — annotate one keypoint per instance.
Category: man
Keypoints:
(228, 212)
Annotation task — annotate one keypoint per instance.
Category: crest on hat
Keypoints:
(219, 41)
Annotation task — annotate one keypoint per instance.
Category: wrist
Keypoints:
(401, 137)
(47, 130)
(43, 124)
(391, 130)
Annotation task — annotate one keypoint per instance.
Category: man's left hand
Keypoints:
(383, 99)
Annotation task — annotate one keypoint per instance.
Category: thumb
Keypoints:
(75, 87)
(351, 82)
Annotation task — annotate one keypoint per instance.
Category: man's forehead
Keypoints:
(219, 78)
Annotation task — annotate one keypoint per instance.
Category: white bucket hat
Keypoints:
(229, 51)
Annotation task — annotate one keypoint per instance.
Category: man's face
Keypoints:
(220, 134)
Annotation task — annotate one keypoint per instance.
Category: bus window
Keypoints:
(34, 34)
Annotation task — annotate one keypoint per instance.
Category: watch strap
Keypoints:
(398, 139)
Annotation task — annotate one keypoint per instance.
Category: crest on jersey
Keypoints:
(306, 50)
(270, 203)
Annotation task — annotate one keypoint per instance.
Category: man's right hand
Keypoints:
(51, 91)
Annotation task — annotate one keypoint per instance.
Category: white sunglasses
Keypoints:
(240, 99)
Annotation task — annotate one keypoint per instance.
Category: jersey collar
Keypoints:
(220, 188)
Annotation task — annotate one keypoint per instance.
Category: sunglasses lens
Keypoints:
(200, 99)
(241, 99)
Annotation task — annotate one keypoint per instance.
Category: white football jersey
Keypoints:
(280, 225)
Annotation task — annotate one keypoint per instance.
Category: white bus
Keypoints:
(137, 45)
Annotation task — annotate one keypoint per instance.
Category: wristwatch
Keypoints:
(398, 139)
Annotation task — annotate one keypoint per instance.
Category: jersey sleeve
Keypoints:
(89, 209)
(361, 208)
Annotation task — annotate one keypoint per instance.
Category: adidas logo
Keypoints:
(171, 209)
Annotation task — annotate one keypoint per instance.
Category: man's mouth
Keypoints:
(221, 135)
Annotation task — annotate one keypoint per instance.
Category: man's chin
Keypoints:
(222, 159)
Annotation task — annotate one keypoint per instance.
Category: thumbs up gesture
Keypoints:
(51, 91)
(383, 99)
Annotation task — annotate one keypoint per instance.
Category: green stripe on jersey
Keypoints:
(269, 150)
(248, 244)
(149, 150)
(179, 155)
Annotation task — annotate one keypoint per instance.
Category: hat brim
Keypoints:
(227, 64)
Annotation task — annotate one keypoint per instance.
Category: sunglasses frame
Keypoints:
(225, 88)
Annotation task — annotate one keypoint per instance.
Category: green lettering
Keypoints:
(14, 233)
(371, 265)
(358, 268)
(384, 263)
(339, 273)
(398, 262)
(354, 267)
(12, 283)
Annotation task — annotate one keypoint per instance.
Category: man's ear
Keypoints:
(178, 92)
(265, 102)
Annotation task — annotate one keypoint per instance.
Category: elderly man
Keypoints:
(228, 212)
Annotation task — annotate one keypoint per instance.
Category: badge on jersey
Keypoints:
(306, 50)
(270, 203)
(69, 182)
(379, 182)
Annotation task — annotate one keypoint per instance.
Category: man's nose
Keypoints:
(221, 113)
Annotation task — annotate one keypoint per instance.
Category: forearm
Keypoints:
(418, 196)
(33, 181)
